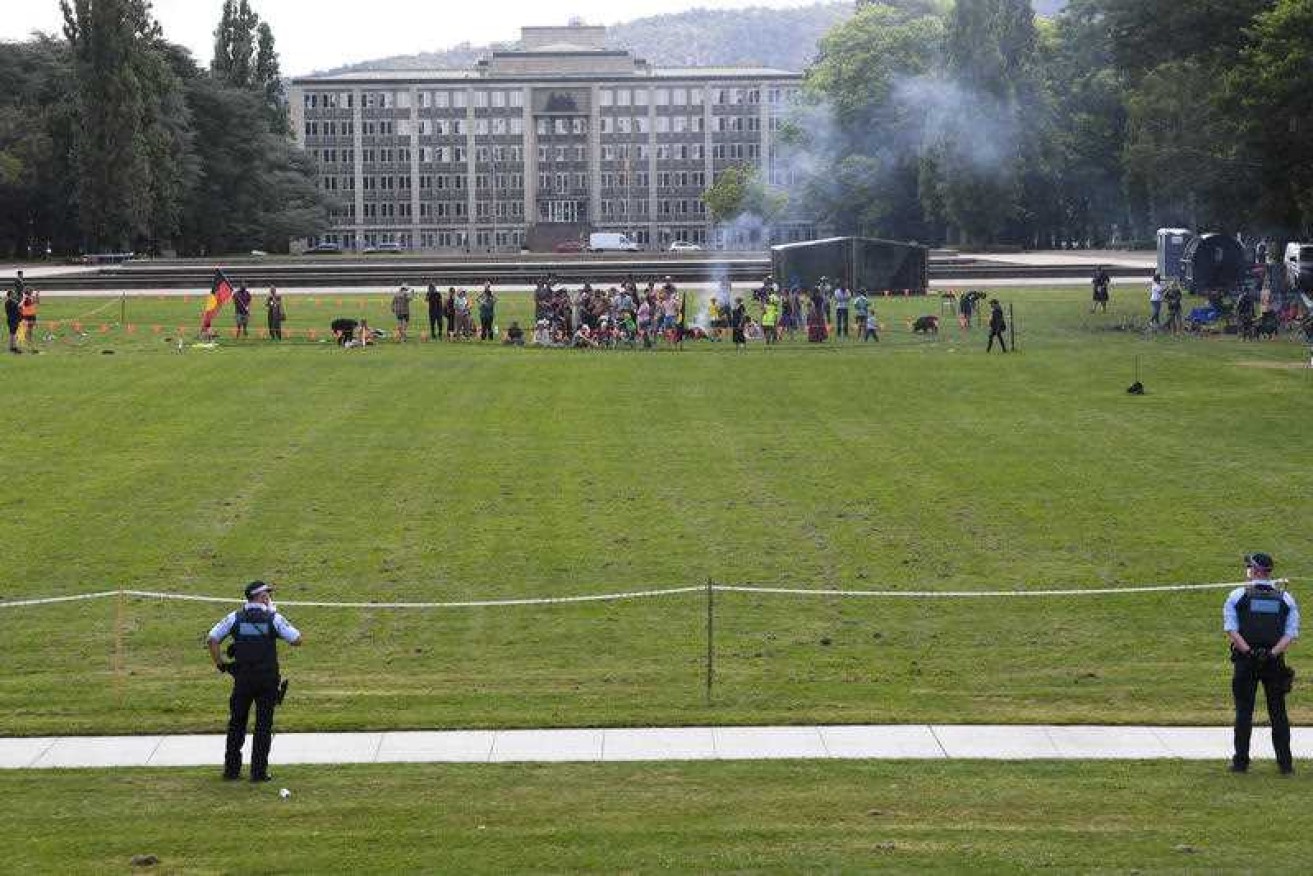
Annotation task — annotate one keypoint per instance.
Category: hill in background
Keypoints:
(781, 38)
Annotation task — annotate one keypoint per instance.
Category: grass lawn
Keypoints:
(746, 817)
(458, 471)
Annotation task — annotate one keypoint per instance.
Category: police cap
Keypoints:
(255, 588)
(1259, 560)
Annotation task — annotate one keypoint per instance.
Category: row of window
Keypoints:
(514, 127)
(627, 154)
(444, 99)
(666, 207)
(514, 98)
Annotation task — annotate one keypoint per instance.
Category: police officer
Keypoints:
(1262, 622)
(255, 631)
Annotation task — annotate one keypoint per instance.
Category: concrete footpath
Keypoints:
(899, 742)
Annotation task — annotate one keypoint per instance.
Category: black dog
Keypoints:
(1268, 325)
(926, 325)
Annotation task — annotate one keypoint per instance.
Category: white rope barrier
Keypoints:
(649, 594)
(982, 594)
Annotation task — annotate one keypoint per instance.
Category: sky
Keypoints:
(317, 35)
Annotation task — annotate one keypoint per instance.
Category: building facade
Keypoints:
(545, 143)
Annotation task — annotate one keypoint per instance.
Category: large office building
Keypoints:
(547, 142)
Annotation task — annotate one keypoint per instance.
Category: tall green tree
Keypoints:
(856, 144)
(1271, 92)
(977, 157)
(131, 142)
(1087, 95)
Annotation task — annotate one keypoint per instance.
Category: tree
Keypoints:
(129, 144)
(980, 130)
(855, 145)
(37, 117)
(1271, 91)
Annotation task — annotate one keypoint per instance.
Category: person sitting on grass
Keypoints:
(583, 338)
(514, 335)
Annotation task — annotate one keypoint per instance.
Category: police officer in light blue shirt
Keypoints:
(255, 630)
(1261, 620)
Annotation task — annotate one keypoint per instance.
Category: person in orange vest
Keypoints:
(27, 310)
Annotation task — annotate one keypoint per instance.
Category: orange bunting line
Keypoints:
(261, 333)
(311, 334)
(77, 326)
(156, 329)
(132, 329)
(103, 328)
(54, 326)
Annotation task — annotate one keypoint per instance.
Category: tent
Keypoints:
(859, 262)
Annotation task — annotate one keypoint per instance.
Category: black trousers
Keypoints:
(996, 334)
(841, 324)
(262, 691)
(1244, 689)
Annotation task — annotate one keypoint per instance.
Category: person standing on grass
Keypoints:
(1172, 295)
(449, 310)
(1101, 282)
(401, 310)
(242, 311)
(276, 313)
(433, 298)
(738, 320)
(861, 306)
(13, 318)
(27, 313)
(487, 312)
(1155, 300)
(842, 297)
(997, 326)
(1261, 622)
(255, 630)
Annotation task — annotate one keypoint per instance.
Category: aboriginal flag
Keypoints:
(220, 292)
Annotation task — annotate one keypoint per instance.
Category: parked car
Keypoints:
(384, 248)
(611, 241)
(684, 246)
(324, 248)
(566, 246)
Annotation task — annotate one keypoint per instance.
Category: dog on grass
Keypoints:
(1267, 326)
(926, 325)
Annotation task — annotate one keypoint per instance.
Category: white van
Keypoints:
(610, 241)
(1299, 266)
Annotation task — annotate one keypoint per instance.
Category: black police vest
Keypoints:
(1262, 613)
(255, 641)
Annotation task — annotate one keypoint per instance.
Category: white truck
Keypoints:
(611, 241)
(1299, 266)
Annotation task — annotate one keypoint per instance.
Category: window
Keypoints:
(640, 125)
(499, 124)
(480, 99)
(442, 99)
(498, 99)
(459, 99)
(663, 124)
(695, 96)
(517, 124)
(640, 97)
(622, 97)
(605, 97)
(605, 124)
(679, 97)
(663, 97)
(580, 154)
(622, 125)
(403, 100)
(481, 127)
(579, 126)
(516, 99)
